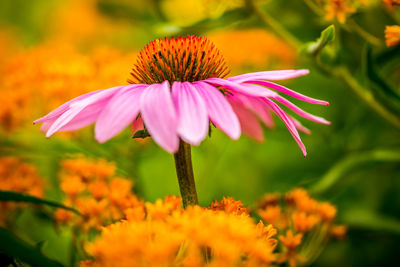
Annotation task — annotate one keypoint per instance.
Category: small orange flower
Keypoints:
(270, 214)
(161, 209)
(392, 3)
(338, 9)
(338, 231)
(63, 216)
(269, 200)
(392, 35)
(326, 210)
(290, 240)
(98, 189)
(229, 205)
(72, 185)
(303, 222)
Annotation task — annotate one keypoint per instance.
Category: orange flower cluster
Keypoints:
(55, 72)
(229, 205)
(300, 217)
(20, 177)
(339, 9)
(92, 187)
(164, 234)
(391, 3)
(266, 49)
(392, 35)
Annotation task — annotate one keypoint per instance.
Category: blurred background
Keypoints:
(54, 50)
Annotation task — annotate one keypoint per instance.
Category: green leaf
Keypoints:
(229, 17)
(17, 197)
(373, 75)
(366, 219)
(348, 163)
(314, 48)
(14, 247)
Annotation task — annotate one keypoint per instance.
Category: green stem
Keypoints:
(364, 34)
(346, 164)
(314, 7)
(345, 75)
(275, 26)
(184, 172)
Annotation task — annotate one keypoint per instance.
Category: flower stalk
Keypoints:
(184, 172)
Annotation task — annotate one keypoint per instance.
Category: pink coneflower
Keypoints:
(178, 88)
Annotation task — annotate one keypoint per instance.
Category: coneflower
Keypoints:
(178, 87)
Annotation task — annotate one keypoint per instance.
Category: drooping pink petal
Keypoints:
(300, 111)
(248, 122)
(247, 89)
(274, 75)
(192, 113)
(119, 112)
(86, 117)
(89, 104)
(288, 122)
(64, 107)
(258, 107)
(159, 116)
(81, 120)
(300, 126)
(292, 93)
(219, 110)
(64, 119)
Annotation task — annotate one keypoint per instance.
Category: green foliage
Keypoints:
(12, 246)
(315, 48)
(17, 197)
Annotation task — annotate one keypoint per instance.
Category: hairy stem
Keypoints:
(184, 172)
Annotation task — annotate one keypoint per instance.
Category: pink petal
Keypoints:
(258, 107)
(248, 122)
(299, 126)
(274, 75)
(64, 107)
(85, 118)
(158, 112)
(219, 110)
(192, 113)
(81, 120)
(118, 113)
(90, 104)
(300, 111)
(288, 122)
(247, 89)
(64, 119)
(292, 93)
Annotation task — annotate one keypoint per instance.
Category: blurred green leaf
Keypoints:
(372, 74)
(342, 167)
(314, 48)
(14, 247)
(17, 197)
(229, 17)
(367, 219)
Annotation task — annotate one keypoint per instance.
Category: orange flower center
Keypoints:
(182, 59)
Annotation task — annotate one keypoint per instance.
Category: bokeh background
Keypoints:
(54, 50)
